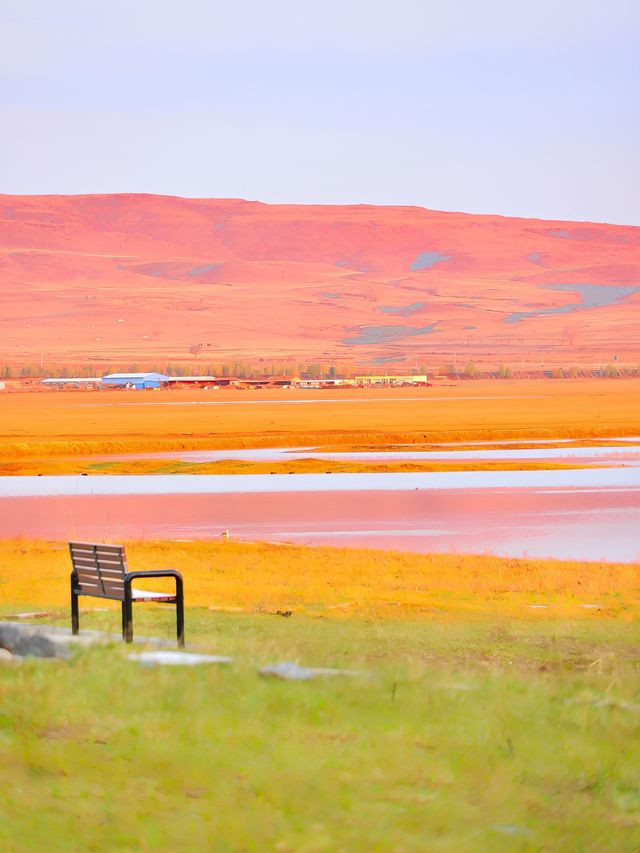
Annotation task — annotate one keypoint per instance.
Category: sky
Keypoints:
(516, 107)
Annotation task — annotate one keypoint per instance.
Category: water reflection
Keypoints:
(585, 524)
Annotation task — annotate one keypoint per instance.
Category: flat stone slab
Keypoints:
(60, 634)
(21, 641)
(172, 658)
(510, 829)
(290, 671)
(35, 614)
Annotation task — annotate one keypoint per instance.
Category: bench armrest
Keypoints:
(159, 573)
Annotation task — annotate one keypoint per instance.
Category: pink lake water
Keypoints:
(589, 514)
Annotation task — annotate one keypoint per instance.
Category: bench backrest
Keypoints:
(99, 569)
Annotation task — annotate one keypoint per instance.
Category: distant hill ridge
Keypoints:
(146, 276)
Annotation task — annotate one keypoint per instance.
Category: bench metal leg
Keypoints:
(180, 618)
(75, 615)
(127, 620)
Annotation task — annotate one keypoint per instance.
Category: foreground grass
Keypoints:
(477, 723)
(478, 735)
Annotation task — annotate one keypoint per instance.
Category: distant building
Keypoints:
(72, 381)
(322, 383)
(413, 379)
(192, 380)
(136, 380)
(132, 380)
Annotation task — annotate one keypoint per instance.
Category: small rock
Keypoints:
(172, 658)
(36, 614)
(6, 656)
(510, 829)
(284, 613)
(28, 643)
(290, 671)
(614, 703)
(287, 671)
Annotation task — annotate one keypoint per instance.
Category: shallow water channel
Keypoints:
(629, 454)
(586, 514)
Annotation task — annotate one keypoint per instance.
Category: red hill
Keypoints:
(146, 277)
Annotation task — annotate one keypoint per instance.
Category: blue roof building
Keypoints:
(135, 380)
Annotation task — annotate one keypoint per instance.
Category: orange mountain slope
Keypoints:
(147, 277)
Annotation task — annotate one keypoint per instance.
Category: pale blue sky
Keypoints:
(518, 107)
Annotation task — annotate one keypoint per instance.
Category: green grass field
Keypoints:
(466, 734)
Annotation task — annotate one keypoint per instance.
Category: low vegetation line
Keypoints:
(15, 450)
(295, 466)
(340, 582)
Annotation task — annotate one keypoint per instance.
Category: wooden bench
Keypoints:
(101, 571)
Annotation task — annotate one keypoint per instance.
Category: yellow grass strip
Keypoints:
(340, 583)
(58, 466)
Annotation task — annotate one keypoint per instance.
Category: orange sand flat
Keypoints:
(75, 423)
(148, 277)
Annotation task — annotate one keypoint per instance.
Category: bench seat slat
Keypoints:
(117, 593)
(93, 577)
(108, 560)
(87, 547)
(95, 582)
(108, 592)
(90, 570)
(90, 588)
(98, 569)
(100, 594)
(146, 595)
(89, 573)
(101, 558)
